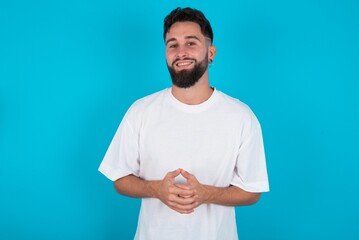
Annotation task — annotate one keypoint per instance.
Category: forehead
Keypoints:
(182, 29)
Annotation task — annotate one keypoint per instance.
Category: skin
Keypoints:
(185, 40)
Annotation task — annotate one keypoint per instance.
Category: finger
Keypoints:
(178, 199)
(184, 186)
(186, 196)
(182, 192)
(182, 211)
(189, 190)
(183, 204)
(174, 173)
(186, 174)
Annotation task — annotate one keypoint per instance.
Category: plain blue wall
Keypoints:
(70, 69)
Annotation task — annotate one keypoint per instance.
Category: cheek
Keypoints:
(169, 58)
(168, 61)
(199, 54)
(205, 55)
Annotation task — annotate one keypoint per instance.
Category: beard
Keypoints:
(188, 77)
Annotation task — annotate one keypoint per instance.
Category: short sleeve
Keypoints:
(250, 172)
(122, 156)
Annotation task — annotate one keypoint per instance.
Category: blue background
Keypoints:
(70, 69)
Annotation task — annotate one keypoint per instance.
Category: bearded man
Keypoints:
(190, 152)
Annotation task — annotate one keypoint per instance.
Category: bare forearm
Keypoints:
(136, 187)
(164, 190)
(230, 196)
(227, 196)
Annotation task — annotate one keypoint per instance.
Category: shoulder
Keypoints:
(146, 104)
(150, 98)
(237, 110)
(233, 104)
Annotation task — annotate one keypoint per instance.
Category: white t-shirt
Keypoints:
(219, 141)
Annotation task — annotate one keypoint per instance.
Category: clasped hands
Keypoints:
(183, 198)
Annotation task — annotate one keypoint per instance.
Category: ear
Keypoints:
(211, 53)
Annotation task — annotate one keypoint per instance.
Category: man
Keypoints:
(190, 152)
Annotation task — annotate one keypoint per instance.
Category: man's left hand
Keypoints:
(201, 192)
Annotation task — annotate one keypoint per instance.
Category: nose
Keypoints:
(181, 52)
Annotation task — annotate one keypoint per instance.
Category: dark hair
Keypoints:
(188, 15)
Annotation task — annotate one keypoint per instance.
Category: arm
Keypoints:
(135, 187)
(164, 190)
(227, 196)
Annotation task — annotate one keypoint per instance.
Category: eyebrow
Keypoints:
(187, 37)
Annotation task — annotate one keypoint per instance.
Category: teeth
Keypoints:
(183, 64)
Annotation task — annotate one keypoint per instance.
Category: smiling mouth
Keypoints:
(183, 63)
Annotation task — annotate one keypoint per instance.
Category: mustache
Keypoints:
(181, 59)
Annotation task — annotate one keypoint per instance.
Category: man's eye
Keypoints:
(173, 46)
(191, 43)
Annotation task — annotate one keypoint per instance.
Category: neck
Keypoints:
(196, 94)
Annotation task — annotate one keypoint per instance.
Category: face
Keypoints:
(187, 53)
